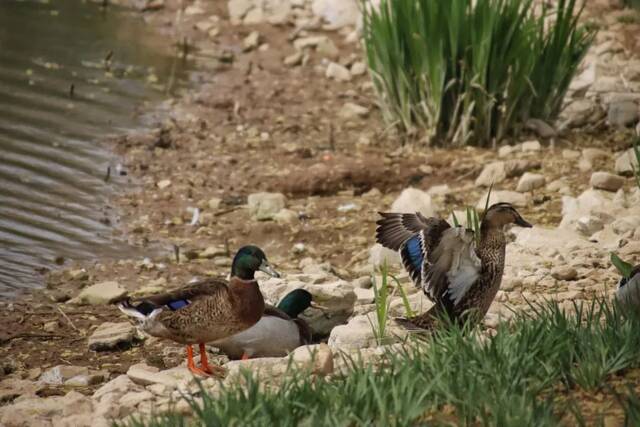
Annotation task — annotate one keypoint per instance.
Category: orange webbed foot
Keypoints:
(217, 371)
(200, 372)
(191, 365)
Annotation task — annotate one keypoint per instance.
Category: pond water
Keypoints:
(71, 75)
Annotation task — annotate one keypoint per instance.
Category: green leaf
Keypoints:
(405, 300)
(456, 223)
(623, 267)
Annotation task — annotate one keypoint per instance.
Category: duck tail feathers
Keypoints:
(143, 311)
(130, 310)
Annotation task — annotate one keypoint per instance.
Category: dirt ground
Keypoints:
(254, 125)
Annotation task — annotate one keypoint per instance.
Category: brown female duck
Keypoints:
(207, 310)
(457, 274)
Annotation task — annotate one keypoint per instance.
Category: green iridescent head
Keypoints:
(248, 260)
(295, 302)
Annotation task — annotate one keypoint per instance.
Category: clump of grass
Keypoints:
(472, 71)
(382, 300)
(526, 375)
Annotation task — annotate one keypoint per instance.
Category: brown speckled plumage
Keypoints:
(217, 310)
(394, 231)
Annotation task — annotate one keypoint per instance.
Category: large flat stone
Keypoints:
(101, 293)
(110, 336)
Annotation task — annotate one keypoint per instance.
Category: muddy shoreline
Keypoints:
(256, 124)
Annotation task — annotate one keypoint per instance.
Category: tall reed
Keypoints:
(472, 71)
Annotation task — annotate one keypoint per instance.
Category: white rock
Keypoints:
(109, 336)
(584, 165)
(193, 10)
(412, 200)
(533, 145)
(254, 16)
(293, 59)
(626, 224)
(133, 398)
(364, 296)
(626, 162)
(379, 255)
(358, 333)
(505, 151)
(76, 403)
(101, 293)
(41, 412)
(564, 272)
(318, 359)
(164, 184)
(606, 181)
(146, 375)
(338, 72)
(238, 9)
(338, 13)
(538, 239)
(118, 386)
(310, 41)
(364, 282)
(61, 373)
(350, 111)
(263, 368)
(328, 49)
(623, 113)
(530, 181)
(339, 298)
(493, 173)
(358, 68)
(418, 302)
(439, 190)
(251, 42)
(214, 203)
(519, 200)
(579, 112)
(286, 216)
(278, 11)
(593, 155)
(589, 204)
(588, 225)
(86, 379)
(264, 206)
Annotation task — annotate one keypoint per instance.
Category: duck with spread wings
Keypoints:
(461, 276)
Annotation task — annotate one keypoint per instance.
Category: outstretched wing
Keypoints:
(414, 236)
(453, 267)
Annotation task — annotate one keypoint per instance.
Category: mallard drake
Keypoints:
(628, 289)
(277, 333)
(455, 273)
(207, 310)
